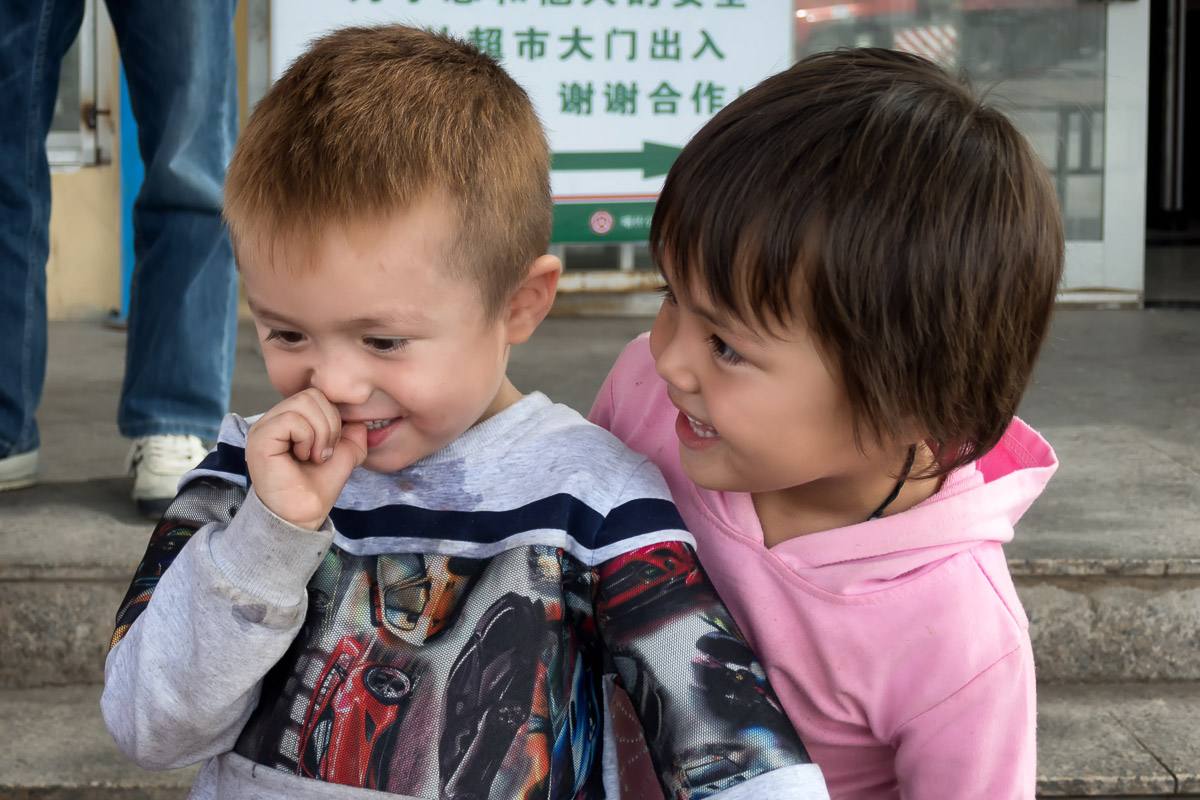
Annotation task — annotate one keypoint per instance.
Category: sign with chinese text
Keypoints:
(619, 84)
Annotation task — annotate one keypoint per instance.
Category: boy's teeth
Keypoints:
(376, 424)
(700, 429)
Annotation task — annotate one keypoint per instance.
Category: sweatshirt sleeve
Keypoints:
(979, 742)
(216, 601)
(711, 721)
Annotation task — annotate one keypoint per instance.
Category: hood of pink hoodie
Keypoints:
(980, 502)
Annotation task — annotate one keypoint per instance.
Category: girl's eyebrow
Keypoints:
(727, 323)
(718, 319)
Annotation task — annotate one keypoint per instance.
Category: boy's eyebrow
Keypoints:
(265, 313)
(390, 319)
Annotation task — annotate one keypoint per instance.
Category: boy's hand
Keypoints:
(300, 455)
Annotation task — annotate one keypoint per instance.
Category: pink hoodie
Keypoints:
(898, 646)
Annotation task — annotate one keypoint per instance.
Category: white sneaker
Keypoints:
(157, 463)
(19, 471)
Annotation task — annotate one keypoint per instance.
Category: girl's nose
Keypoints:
(669, 346)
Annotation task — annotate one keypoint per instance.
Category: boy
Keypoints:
(407, 576)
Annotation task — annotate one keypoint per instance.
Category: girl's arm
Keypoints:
(711, 721)
(979, 742)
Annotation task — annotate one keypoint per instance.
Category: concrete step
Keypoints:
(1111, 740)
(57, 748)
(1119, 740)
(67, 553)
(1112, 620)
(69, 546)
(68, 550)
(1107, 562)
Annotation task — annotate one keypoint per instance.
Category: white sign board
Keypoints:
(606, 76)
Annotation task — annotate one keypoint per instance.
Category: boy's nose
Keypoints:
(339, 382)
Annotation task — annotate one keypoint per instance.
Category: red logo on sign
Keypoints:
(601, 222)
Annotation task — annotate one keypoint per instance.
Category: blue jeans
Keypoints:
(181, 69)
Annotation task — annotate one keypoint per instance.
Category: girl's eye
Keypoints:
(285, 337)
(724, 352)
(667, 295)
(379, 344)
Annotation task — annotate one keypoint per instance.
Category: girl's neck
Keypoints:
(824, 505)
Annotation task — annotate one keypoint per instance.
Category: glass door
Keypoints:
(1071, 74)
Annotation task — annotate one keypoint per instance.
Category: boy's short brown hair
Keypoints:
(370, 120)
(870, 195)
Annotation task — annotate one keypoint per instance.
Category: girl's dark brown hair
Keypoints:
(871, 196)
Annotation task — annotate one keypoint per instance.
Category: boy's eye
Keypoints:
(379, 344)
(286, 337)
(723, 351)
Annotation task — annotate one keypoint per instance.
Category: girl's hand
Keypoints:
(300, 456)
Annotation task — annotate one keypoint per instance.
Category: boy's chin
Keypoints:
(384, 463)
(389, 458)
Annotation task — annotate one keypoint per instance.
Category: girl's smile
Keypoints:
(694, 434)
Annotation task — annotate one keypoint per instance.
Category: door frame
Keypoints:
(1112, 270)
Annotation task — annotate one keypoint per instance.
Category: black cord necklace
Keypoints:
(908, 465)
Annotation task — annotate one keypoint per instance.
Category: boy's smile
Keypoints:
(378, 430)
(375, 318)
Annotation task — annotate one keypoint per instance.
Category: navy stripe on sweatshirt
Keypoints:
(557, 512)
(226, 459)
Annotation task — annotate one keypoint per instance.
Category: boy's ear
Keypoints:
(532, 300)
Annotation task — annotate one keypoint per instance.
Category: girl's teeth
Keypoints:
(375, 425)
(700, 429)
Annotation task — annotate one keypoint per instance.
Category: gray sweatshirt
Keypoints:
(453, 630)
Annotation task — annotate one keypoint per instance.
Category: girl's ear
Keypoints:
(532, 300)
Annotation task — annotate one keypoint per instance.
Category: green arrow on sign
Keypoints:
(653, 160)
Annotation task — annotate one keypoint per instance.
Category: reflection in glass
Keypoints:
(1040, 61)
(66, 108)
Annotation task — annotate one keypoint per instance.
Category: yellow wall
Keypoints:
(83, 274)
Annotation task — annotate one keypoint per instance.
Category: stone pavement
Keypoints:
(1107, 562)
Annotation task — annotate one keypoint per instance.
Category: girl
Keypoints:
(860, 265)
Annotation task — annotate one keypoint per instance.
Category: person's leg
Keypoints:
(33, 38)
(181, 67)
